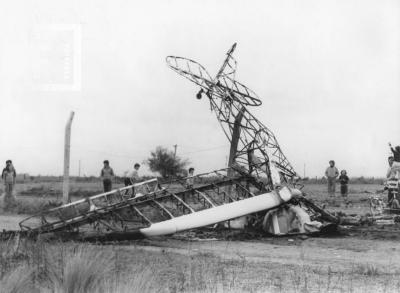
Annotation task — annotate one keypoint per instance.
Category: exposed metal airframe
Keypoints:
(248, 186)
(228, 99)
(152, 207)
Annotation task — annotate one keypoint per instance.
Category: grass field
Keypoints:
(36, 196)
(354, 261)
(71, 267)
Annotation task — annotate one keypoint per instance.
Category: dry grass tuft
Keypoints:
(141, 281)
(18, 280)
(84, 271)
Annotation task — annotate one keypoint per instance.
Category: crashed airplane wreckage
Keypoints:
(153, 209)
(259, 189)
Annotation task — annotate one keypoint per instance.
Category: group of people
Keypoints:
(107, 175)
(332, 174)
(392, 175)
(132, 176)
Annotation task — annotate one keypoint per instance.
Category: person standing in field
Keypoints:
(190, 179)
(344, 181)
(396, 160)
(135, 178)
(107, 175)
(331, 173)
(8, 175)
(132, 177)
(392, 181)
(390, 174)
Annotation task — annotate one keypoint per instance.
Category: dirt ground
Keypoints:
(372, 253)
(341, 252)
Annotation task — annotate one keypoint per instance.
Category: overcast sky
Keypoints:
(327, 72)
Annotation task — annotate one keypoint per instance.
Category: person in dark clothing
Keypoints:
(396, 152)
(344, 181)
(8, 175)
(107, 175)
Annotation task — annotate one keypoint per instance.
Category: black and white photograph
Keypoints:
(199, 146)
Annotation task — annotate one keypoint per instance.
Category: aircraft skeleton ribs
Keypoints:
(150, 208)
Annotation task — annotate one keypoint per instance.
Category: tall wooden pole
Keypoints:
(67, 142)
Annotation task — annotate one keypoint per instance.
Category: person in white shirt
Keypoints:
(396, 159)
(390, 174)
(132, 176)
(331, 173)
(391, 183)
